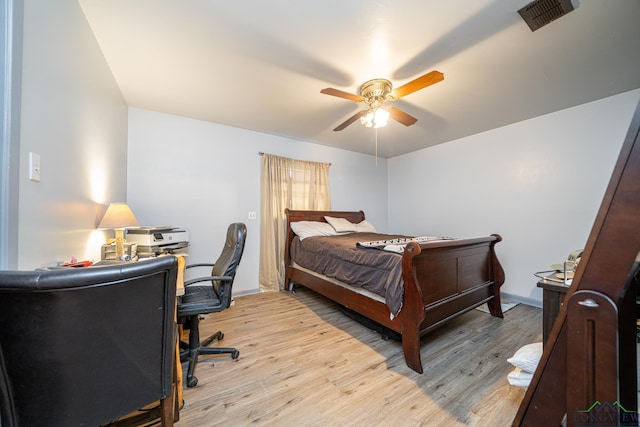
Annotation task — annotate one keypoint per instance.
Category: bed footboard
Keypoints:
(443, 280)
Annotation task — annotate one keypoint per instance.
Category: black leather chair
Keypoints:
(86, 346)
(210, 294)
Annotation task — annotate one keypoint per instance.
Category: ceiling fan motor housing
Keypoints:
(375, 91)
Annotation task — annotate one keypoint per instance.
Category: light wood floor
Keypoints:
(304, 363)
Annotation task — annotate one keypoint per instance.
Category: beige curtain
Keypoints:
(286, 183)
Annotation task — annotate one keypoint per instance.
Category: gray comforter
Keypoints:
(340, 258)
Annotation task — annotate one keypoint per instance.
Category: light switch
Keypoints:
(34, 167)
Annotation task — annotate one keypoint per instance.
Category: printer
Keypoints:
(154, 241)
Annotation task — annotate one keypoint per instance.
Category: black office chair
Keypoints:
(86, 346)
(212, 297)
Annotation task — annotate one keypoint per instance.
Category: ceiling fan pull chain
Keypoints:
(376, 130)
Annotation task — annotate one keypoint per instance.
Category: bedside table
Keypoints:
(553, 294)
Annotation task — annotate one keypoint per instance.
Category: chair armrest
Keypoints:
(199, 265)
(208, 279)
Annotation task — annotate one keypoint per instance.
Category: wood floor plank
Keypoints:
(304, 363)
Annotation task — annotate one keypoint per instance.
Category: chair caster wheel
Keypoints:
(235, 354)
(192, 382)
(221, 336)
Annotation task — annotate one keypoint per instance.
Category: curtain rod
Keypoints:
(261, 153)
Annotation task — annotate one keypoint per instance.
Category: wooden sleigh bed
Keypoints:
(442, 280)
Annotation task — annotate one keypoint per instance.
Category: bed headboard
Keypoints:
(296, 215)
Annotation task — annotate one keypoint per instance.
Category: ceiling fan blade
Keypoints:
(400, 116)
(342, 94)
(417, 84)
(350, 120)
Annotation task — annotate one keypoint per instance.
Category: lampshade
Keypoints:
(118, 215)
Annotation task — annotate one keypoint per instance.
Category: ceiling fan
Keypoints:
(375, 92)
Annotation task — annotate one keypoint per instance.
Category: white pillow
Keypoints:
(527, 357)
(519, 378)
(365, 227)
(306, 229)
(341, 225)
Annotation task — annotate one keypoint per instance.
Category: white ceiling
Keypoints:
(260, 65)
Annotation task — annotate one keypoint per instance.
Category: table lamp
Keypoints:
(118, 217)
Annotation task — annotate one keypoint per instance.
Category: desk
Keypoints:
(553, 294)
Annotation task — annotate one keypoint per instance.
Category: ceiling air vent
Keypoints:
(539, 13)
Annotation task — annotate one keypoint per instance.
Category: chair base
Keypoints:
(196, 348)
(215, 337)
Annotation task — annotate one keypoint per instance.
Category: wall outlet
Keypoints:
(252, 215)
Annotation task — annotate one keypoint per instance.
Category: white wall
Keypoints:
(202, 176)
(74, 117)
(539, 183)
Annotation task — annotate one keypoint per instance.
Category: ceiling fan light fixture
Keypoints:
(375, 118)
(375, 93)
